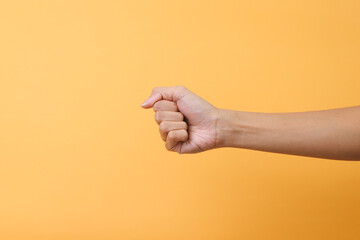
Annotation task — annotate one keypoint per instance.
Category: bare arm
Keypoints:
(332, 134)
(189, 124)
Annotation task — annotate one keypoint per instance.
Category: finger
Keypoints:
(174, 137)
(168, 116)
(165, 93)
(165, 105)
(167, 126)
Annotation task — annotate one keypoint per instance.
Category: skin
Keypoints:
(189, 124)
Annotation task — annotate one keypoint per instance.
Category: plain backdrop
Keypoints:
(79, 158)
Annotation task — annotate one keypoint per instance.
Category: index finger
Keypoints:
(165, 105)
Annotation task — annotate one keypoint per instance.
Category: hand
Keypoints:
(187, 122)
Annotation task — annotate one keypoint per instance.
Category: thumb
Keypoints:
(151, 100)
(165, 93)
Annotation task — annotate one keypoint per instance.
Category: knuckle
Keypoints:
(172, 135)
(158, 116)
(167, 147)
(156, 106)
(175, 106)
(163, 126)
(163, 137)
(184, 135)
(182, 89)
(181, 116)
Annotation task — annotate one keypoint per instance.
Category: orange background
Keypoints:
(79, 158)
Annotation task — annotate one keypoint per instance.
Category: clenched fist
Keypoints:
(187, 122)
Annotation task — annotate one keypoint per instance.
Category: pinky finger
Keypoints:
(174, 137)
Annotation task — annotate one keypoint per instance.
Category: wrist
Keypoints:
(229, 130)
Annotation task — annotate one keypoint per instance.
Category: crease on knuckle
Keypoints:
(167, 147)
(163, 127)
(156, 107)
(172, 135)
(174, 106)
(158, 117)
(183, 136)
(186, 136)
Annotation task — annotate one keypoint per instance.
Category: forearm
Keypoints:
(333, 134)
